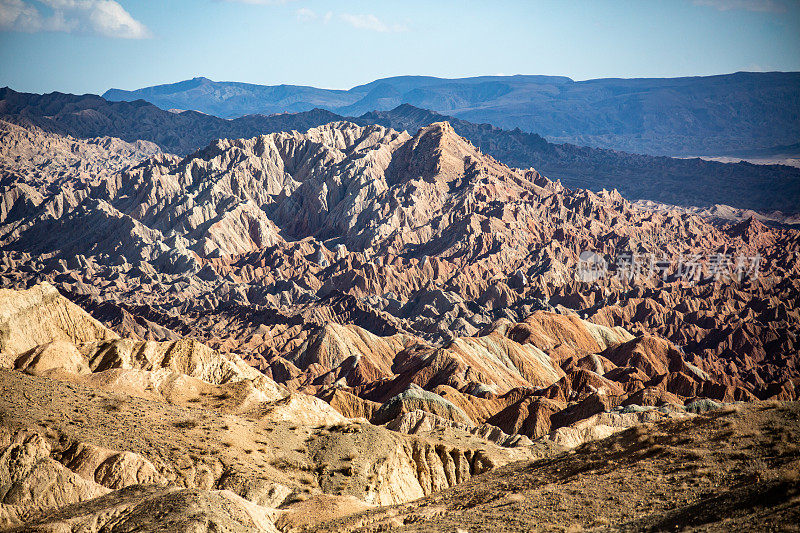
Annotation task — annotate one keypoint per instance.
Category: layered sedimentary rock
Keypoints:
(106, 414)
(370, 259)
(295, 292)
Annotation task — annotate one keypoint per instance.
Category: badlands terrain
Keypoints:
(354, 328)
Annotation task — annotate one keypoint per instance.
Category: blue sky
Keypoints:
(92, 45)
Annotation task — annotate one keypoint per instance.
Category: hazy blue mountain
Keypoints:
(665, 179)
(90, 115)
(232, 99)
(711, 115)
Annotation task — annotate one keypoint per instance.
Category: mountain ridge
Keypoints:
(706, 115)
(667, 180)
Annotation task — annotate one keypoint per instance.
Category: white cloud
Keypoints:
(370, 22)
(100, 17)
(771, 6)
(306, 15)
(16, 14)
(362, 22)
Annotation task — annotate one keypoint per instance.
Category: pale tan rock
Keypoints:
(603, 425)
(152, 508)
(40, 315)
(421, 422)
(109, 468)
(319, 508)
(56, 355)
(185, 356)
(31, 481)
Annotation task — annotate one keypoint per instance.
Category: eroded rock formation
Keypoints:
(294, 292)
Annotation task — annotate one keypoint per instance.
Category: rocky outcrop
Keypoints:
(530, 416)
(40, 316)
(653, 356)
(420, 422)
(109, 468)
(416, 398)
(567, 335)
(32, 481)
(44, 333)
(22, 152)
(744, 481)
(179, 510)
(186, 357)
(601, 425)
(344, 356)
(349, 404)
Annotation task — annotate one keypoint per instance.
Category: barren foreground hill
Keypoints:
(735, 469)
(101, 433)
(276, 328)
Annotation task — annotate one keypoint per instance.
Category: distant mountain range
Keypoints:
(90, 115)
(664, 179)
(714, 115)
